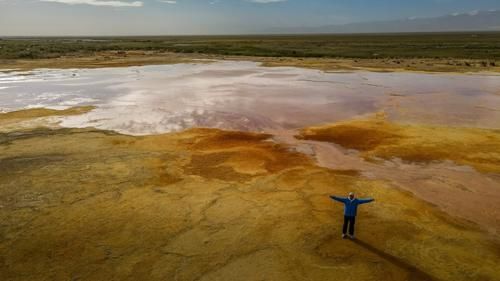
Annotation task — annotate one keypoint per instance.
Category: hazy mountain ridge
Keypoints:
(473, 21)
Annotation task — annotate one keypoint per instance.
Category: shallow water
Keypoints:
(246, 96)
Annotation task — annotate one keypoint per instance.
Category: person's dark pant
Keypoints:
(349, 221)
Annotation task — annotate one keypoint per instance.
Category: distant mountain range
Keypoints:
(472, 21)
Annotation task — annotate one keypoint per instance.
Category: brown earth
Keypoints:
(15, 116)
(87, 204)
(378, 138)
(453, 168)
(139, 58)
(103, 59)
(34, 117)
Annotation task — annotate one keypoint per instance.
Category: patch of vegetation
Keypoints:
(484, 46)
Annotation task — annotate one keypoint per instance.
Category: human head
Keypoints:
(351, 195)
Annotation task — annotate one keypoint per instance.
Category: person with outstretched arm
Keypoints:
(350, 210)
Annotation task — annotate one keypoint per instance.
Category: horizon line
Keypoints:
(252, 34)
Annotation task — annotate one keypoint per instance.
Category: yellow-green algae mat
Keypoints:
(86, 204)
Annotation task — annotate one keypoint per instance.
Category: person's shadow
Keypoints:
(414, 274)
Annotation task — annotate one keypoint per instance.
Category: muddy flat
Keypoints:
(222, 171)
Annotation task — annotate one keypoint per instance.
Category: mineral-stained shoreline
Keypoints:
(206, 204)
(140, 58)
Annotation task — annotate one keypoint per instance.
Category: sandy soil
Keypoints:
(137, 58)
(102, 59)
(204, 204)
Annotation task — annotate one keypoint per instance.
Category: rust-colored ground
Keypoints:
(86, 204)
(378, 138)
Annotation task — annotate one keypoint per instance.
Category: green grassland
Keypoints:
(478, 46)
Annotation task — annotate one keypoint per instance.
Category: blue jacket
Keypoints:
(351, 206)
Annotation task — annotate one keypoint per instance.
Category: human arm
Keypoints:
(340, 199)
(364, 201)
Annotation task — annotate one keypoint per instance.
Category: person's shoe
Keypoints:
(352, 236)
(344, 236)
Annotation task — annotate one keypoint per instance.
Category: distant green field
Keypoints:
(436, 45)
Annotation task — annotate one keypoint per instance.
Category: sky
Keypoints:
(178, 17)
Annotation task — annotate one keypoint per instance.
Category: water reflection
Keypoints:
(246, 96)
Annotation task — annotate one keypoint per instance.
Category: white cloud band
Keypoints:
(111, 3)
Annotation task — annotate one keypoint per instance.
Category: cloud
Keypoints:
(168, 1)
(110, 3)
(473, 13)
(266, 1)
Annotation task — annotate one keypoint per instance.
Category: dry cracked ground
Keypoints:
(203, 204)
